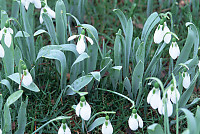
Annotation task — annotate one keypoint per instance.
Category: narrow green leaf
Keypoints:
(14, 97)
(21, 34)
(155, 129)
(122, 19)
(96, 123)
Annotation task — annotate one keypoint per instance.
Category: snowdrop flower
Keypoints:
(64, 129)
(153, 97)
(186, 78)
(135, 121)
(83, 109)
(2, 52)
(7, 32)
(107, 127)
(161, 32)
(27, 78)
(46, 9)
(81, 46)
(174, 50)
(161, 108)
(26, 3)
(173, 94)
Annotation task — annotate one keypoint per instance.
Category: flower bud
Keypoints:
(82, 99)
(107, 117)
(156, 85)
(134, 111)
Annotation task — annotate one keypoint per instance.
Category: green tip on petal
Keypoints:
(107, 117)
(82, 99)
(83, 32)
(185, 69)
(156, 85)
(106, 123)
(64, 121)
(64, 126)
(154, 91)
(134, 111)
(135, 116)
(162, 21)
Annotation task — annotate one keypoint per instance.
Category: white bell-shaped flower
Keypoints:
(7, 32)
(135, 121)
(83, 109)
(174, 50)
(64, 129)
(26, 3)
(107, 127)
(161, 33)
(161, 108)
(2, 52)
(27, 78)
(81, 45)
(153, 97)
(186, 79)
(173, 94)
(46, 9)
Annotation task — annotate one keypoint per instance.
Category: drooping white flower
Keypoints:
(161, 33)
(186, 79)
(46, 9)
(153, 97)
(161, 108)
(83, 109)
(27, 78)
(81, 46)
(173, 94)
(174, 50)
(7, 32)
(0, 131)
(107, 127)
(135, 121)
(64, 129)
(26, 3)
(2, 52)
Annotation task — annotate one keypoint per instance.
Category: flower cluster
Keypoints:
(170, 96)
(38, 4)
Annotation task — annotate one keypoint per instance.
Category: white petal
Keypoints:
(41, 12)
(85, 112)
(37, 3)
(160, 107)
(8, 39)
(169, 108)
(186, 80)
(177, 50)
(72, 37)
(167, 37)
(199, 65)
(90, 40)
(27, 79)
(10, 30)
(62, 131)
(50, 12)
(133, 123)
(0, 131)
(78, 108)
(158, 35)
(149, 96)
(2, 52)
(175, 96)
(1, 34)
(80, 47)
(155, 99)
(140, 121)
(173, 51)
(107, 129)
